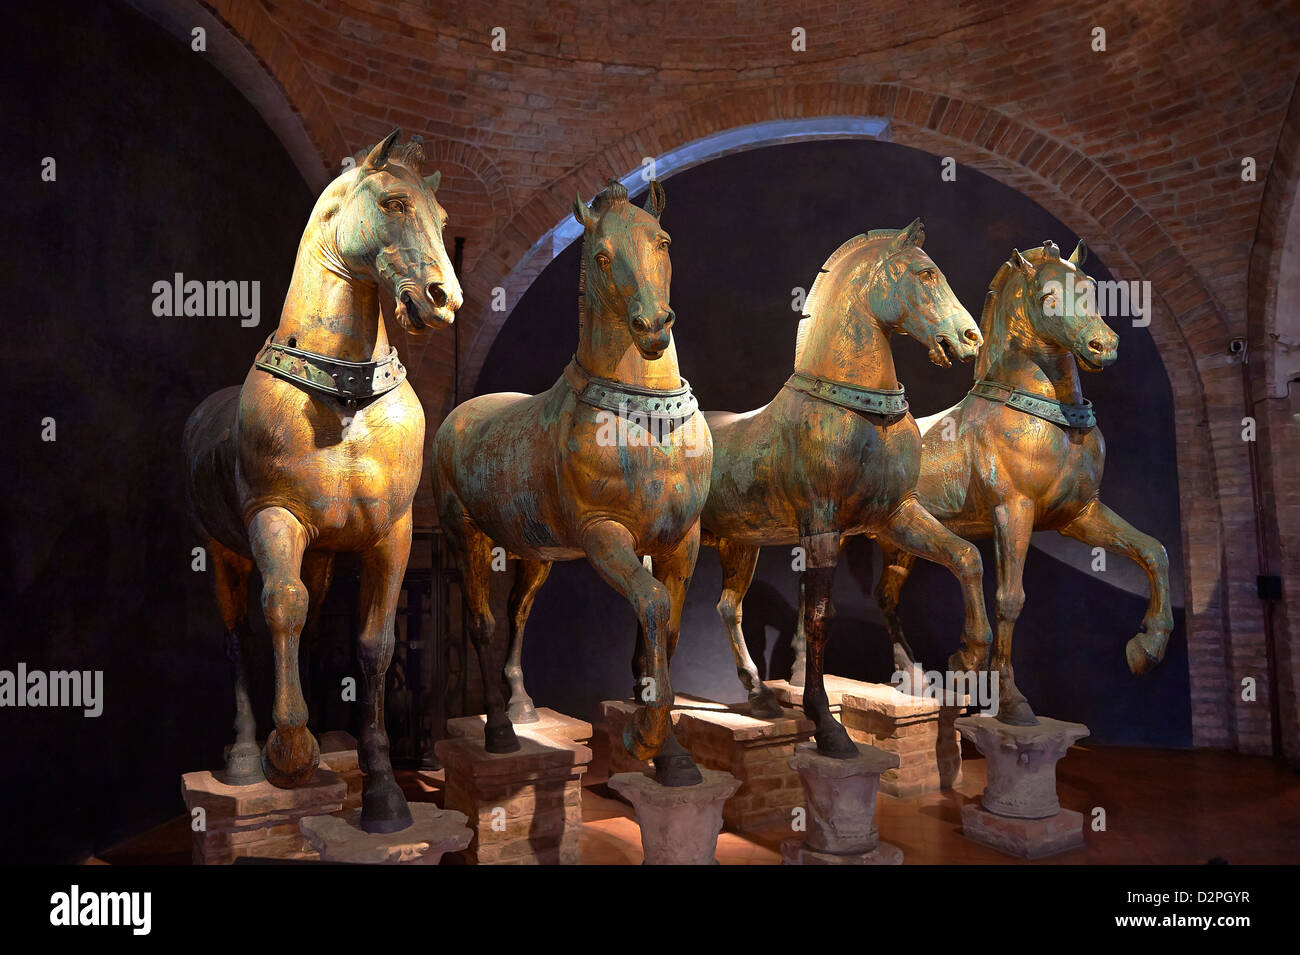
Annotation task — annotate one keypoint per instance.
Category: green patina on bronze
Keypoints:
(539, 476)
(836, 453)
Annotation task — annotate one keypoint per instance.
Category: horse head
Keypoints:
(626, 267)
(1059, 302)
(909, 294)
(388, 227)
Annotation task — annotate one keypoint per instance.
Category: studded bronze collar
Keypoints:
(888, 402)
(1049, 409)
(349, 381)
(676, 404)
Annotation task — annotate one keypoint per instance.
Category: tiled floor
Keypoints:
(1161, 807)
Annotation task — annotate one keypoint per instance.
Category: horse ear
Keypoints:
(1020, 262)
(582, 212)
(1079, 255)
(655, 200)
(914, 234)
(378, 157)
(433, 181)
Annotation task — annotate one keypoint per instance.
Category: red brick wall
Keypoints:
(1138, 148)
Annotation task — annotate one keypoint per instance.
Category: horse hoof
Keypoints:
(834, 742)
(290, 758)
(1016, 713)
(764, 705)
(500, 738)
(243, 765)
(1140, 660)
(522, 711)
(384, 808)
(644, 735)
(674, 766)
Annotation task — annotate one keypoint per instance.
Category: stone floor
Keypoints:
(1162, 807)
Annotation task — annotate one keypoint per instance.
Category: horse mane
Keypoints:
(813, 303)
(992, 323)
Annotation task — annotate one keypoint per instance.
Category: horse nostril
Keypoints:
(436, 294)
(1097, 345)
(668, 321)
(972, 335)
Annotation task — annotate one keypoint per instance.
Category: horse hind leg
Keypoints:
(529, 577)
(383, 807)
(818, 610)
(1099, 526)
(278, 541)
(897, 566)
(473, 550)
(738, 562)
(230, 573)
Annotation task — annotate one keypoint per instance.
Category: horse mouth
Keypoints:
(654, 348)
(408, 313)
(943, 353)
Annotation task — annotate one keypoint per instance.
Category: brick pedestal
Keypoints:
(920, 732)
(525, 808)
(338, 754)
(258, 821)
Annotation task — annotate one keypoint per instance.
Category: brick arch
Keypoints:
(1223, 617)
(249, 49)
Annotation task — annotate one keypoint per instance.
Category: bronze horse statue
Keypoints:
(837, 453)
(320, 452)
(1022, 453)
(611, 464)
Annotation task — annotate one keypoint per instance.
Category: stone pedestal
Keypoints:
(1019, 812)
(549, 725)
(525, 808)
(919, 731)
(257, 820)
(841, 809)
(432, 833)
(679, 824)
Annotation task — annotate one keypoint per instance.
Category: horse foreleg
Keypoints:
(278, 541)
(317, 572)
(383, 807)
(610, 548)
(673, 765)
(799, 643)
(529, 577)
(230, 573)
(912, 528)
(738, 562)
(822, 552)
(1098, 525)
(1013, 523)
(897, 565)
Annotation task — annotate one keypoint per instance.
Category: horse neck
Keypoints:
(606, 350)
(849, 345)
(1018, 357)
(328, 310)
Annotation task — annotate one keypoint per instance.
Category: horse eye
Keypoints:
(394, 206)
(602, 260)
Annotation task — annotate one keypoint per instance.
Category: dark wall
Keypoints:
(747, 229)
(162, 167)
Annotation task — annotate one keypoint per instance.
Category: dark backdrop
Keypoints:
(746, 229)
(162, 167)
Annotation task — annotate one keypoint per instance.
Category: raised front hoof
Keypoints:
(764, 705)
(522, 711)
(1140, 660)
(674, 766)
(290, 758)
(500, 738)
(834, 741)
(243, 765)
(1016, 713)
(384, 808)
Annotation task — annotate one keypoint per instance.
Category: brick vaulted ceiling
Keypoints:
(1138, 148)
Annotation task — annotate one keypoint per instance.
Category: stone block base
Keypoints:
(432, 833)
(257, 821)
(525, 808)
(794, 852)
(1023, 838)
(549, 725)
(919, 731)
(338, 754)
(679, 824)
